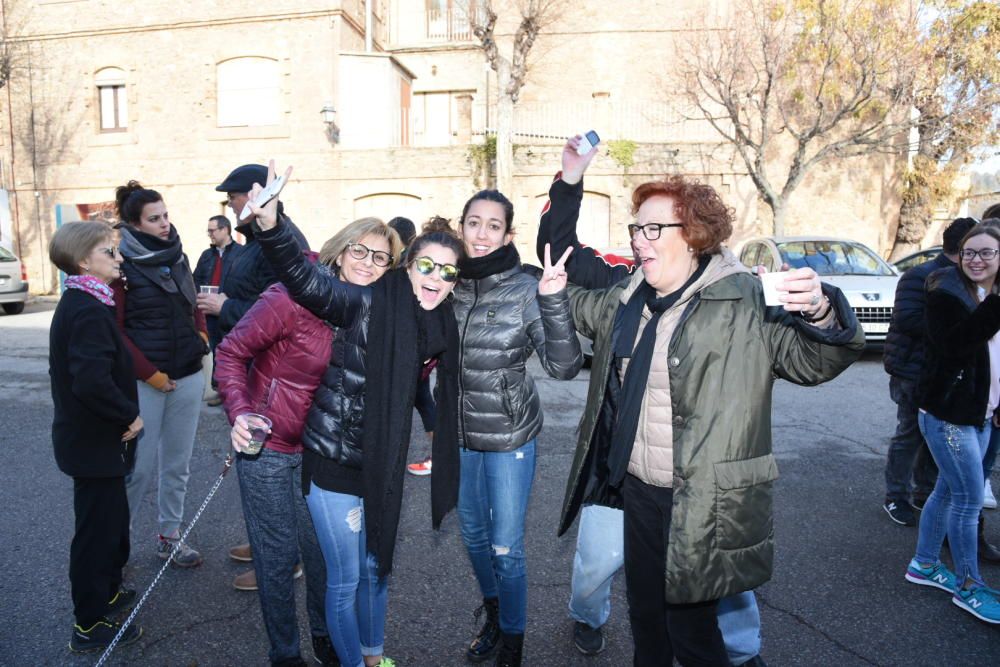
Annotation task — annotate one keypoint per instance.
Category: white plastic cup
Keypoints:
(209, 289)
(771, 282)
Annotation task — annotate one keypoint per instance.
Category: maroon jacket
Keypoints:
(290, 349)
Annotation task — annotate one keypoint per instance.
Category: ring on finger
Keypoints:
(814, 301)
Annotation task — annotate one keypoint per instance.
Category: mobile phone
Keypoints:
(588, 142)
(266, 195)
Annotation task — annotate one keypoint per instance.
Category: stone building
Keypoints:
(382, 107)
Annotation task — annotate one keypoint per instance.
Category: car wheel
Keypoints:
(13, 308)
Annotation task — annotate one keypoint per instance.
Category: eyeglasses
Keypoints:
(360, 251)
(212, 231)
(651, 231)
(425, 265)
(986, 253)
(111, 252)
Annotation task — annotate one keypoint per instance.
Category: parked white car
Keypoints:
(867, 280)
(13, 283)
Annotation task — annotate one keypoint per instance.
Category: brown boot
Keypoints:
(241, 553)
(246, 581)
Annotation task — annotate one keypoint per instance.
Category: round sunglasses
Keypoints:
(425, 265)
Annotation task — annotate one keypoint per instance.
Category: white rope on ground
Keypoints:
(135, 610)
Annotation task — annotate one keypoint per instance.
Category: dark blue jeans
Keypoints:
(492, 503)
(280, 529)
(908, 453)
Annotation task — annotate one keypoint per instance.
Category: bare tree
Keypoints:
(533, 16)
(791, 84)
(957, 97)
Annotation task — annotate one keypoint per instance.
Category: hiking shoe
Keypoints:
(980, 601)
(100, 635)
(123, 600)
(185, 555)
(937, 576)
(420, 469)
(241, 553)
(324, 653)
(900, 511)
(989, 500)
(248, 580)
(588, 640)
(487, 639)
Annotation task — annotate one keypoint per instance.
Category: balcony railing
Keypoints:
(432, 26)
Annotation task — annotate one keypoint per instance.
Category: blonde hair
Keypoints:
(356, 231)
(73, 242)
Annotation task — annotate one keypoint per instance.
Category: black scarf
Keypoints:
(150, 253)
(401, 336)
(634, 385)
(502, 259)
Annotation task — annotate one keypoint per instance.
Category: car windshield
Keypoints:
(833, 258)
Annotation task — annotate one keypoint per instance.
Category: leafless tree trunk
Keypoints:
(534, 16)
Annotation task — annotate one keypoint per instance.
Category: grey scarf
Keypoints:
(160, 260)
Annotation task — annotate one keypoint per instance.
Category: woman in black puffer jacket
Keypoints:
(166, 334)
(502, 319)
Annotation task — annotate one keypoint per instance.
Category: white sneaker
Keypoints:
(989, 500)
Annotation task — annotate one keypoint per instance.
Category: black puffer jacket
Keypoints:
(955, 383)
(501, 320)
(246, 274)
(903, 356)
(161, 323)
(333, 428)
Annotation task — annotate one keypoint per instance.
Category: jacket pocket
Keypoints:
(507, 404)
(743, 501)
(265, 402)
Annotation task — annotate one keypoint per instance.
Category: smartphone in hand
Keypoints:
(588, 143)
(266, 195)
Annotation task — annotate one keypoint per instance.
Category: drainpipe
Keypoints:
(369, 26)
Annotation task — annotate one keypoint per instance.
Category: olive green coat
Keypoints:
(725, 354)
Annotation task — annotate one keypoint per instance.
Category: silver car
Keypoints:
(867, 280)
(13, 283)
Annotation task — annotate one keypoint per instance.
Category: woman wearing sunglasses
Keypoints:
(155, 301)
(504, 315)
(284, 363)
(395, 325)
(960, 395)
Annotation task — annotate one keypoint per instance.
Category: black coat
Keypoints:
(903, 355)
(955, 383)
(333, 426)
(246, 274)
(93, 389)
(161, 323)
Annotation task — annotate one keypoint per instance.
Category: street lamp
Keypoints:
(328, 114)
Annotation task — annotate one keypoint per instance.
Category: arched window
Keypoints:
(388, 205)
(112, 100)
(248, 92)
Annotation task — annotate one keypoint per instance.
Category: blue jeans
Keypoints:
(279, 529)
(492, 503)
(600, 554)
(355, 595)
(957, 499)
(990, 458)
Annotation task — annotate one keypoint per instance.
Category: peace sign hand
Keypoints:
(554, 277)
(267, 215)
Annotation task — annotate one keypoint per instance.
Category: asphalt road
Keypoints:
(838, 596)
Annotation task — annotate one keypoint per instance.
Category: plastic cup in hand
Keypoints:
(260, 428)
(209, 289)
(770, 282)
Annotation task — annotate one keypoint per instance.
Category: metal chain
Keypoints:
(128, 621)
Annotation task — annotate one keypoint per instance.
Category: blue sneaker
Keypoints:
(937, 576)
(980, 601)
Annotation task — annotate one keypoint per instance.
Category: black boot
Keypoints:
(511, 647)
(987, 551)
(485, 643)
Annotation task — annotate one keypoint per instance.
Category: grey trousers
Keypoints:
(170, 421)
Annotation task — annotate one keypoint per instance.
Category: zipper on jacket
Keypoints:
(461, 363)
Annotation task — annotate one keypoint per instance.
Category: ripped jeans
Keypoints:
(954, 505)
(492, 503)
(355, 596)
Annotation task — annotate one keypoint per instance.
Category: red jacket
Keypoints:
(290, 349)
